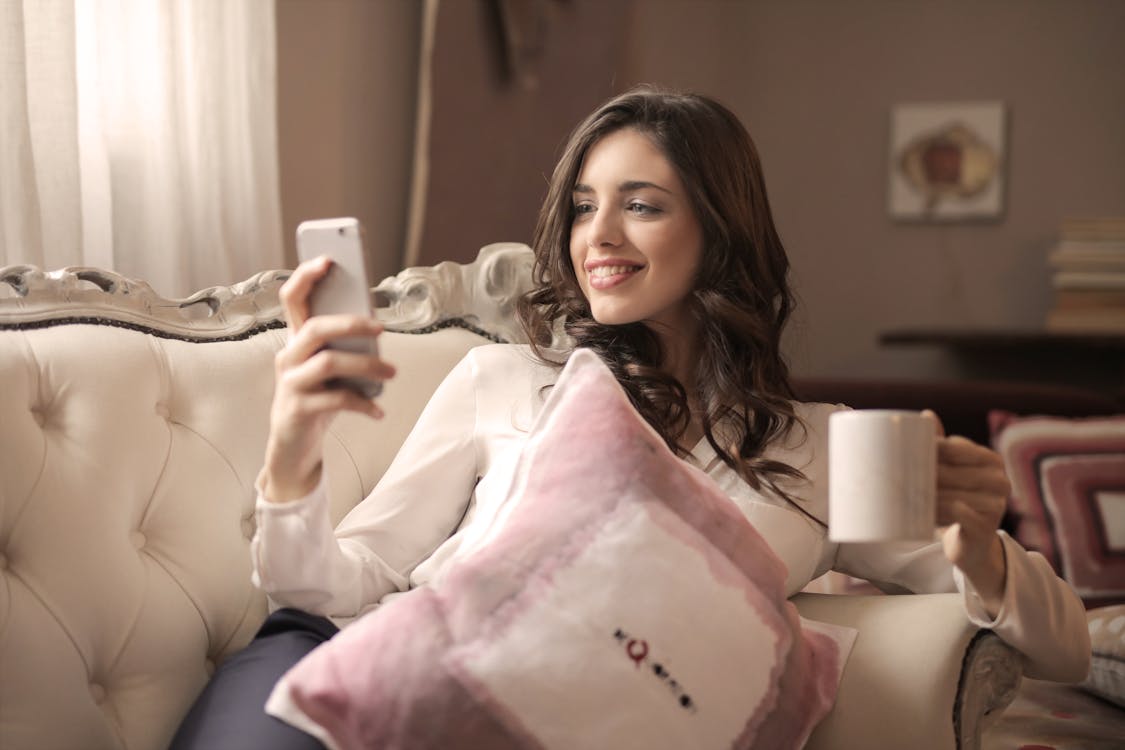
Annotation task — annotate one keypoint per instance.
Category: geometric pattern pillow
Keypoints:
(1068, 496)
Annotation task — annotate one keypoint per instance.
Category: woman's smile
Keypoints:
(609, 273)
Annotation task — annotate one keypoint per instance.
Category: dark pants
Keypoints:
(229, 714)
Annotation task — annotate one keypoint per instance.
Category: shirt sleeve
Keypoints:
(300, 561)
(1040, 616)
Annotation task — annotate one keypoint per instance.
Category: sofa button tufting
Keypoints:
(163, 411)
(3, 561)
(209, 665)
(248, 528)
(39, 415)
(97, 692)
(138, 539)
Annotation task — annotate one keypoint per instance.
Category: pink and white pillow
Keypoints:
(1068, 494)
(623, 601)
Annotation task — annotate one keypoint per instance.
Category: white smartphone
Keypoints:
(344, 289)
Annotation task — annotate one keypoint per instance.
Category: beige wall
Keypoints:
(813, 79)
(347, 76)
(493, 141)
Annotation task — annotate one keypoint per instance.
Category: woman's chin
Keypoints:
(612, 317)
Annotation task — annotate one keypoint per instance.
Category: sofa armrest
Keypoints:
(920, 674)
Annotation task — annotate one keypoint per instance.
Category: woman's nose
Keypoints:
(605, 230)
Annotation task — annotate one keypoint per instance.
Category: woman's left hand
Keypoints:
(972, 492)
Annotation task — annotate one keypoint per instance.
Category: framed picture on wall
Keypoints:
(946, 161)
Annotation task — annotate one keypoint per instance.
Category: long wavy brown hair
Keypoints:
(741, 298)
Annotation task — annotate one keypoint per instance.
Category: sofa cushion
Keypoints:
(1068, 496)
(640, 588)
(118, 470)
(128, 458)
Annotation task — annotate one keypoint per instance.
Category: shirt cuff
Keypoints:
(286, 536)
(974, 605)
(318, 494)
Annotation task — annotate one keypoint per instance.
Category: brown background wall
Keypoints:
(494, 141)
(813, 79)
(347, 82)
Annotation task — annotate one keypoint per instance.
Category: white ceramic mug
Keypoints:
(882, 475)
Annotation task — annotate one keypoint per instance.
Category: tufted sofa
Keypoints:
(132, 431)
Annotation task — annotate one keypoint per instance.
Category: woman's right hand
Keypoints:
(303, 406)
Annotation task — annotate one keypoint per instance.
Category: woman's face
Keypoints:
(636, 242)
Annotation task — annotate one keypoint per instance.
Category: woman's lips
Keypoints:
(607, 276)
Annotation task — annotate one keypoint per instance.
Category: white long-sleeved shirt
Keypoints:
(453, 471)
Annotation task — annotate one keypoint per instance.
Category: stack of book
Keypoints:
(1089, 277)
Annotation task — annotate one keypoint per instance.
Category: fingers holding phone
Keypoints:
(341, 378)
(331, 362)
(294, 293)
(295, 296)
(341, 289)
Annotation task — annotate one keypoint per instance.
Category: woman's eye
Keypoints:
(583, 208)
(642, 209)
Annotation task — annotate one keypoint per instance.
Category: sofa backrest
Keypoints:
(133, 428)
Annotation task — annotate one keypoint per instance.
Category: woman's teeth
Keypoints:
(606, 271)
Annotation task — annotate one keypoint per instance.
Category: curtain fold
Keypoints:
(140, 136)
(423, 114)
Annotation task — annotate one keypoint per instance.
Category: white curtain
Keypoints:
(140, 136)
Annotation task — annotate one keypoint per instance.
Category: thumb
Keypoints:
(952, 543)
(939, 428)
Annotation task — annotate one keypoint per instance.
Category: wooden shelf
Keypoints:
(1007, 339)
(1094, 361)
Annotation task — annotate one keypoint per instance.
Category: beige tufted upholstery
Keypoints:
(131, 432)
(128, 460)
(115, 475)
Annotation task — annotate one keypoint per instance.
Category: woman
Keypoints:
(656, 247)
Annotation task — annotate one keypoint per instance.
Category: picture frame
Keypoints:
(947, 161)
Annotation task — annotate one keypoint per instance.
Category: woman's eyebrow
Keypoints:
(624, 187)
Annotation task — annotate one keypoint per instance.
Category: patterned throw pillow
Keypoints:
(1107, 668)
(621, 600)
(1068, 496)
